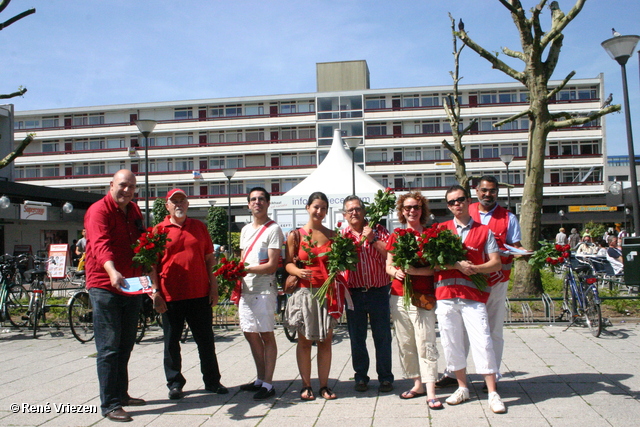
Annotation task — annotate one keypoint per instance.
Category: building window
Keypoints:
(50, 122)
(182, 114)
(254, 136)
(254, 109)
(375, 103)
(50, 147)
(49, 171)
(430, 100)
(115, 143)
(183, 165)
(184, 139)
(233, 110)
(377, 129)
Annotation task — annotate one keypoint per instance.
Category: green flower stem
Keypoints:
(321, 295)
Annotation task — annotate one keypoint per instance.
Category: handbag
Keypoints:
(424, 301)
(292, 282)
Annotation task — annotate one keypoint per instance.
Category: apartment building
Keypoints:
(276, 141)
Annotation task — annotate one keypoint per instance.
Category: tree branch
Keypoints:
(551, 94)
(514, 54)
(4, 4)
(469, 126)
(21, 91)
(18, 17)
(495, 62)
(582, 120)
(17, 152)
(559, 21)
(512, 118)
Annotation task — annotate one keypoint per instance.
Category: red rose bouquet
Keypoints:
(150, 247)
(550, 254)
(229, 273)
(343, 256)
(405, 254)
(439, 246)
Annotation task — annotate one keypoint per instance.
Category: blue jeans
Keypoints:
(115, 320)
(372, 305)
(198, 314)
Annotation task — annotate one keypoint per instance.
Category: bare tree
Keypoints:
(538, 69)
(452, 108)
(21, 90)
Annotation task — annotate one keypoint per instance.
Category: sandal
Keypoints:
(309, 394)
(327, 393)
(410, 394)
(434, 404)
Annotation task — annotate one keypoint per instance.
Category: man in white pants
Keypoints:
(261, 242)
(506, 229)
(461, 302)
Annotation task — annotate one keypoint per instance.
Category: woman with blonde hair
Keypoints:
(414, 326)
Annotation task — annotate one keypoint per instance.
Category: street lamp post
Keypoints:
(506, 159)
(409, 180)
(146, 127)
(621, 48)
(561, 214)
(353, 143)
(229, 173)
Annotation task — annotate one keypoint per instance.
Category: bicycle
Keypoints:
(37, 308)
(580, 296)
(14, 299)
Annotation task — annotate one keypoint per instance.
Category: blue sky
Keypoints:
(75, 53)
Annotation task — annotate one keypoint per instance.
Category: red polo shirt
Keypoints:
(111, 233)
(183, 269)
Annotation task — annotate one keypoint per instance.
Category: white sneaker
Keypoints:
(459, 396)
(495, 403)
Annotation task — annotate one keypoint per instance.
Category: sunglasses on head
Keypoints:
(459, 200)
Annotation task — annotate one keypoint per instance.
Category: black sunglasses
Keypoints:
(460, 200)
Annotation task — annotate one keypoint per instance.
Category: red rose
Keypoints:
(566, 254)
(554, 261)
(549, 259)
(559, 248)
(560, 259)
(566, 247)
(339, 224)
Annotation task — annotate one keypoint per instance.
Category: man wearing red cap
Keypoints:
(184, 288)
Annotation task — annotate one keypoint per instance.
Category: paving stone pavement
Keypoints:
(552, 377)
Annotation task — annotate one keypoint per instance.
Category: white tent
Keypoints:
(334, 178)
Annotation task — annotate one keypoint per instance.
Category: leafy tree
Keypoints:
(540, 51)
(21, 90)
(217, 224)
(596, 230)
(159, 211)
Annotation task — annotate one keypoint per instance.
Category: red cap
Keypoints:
(175, 191)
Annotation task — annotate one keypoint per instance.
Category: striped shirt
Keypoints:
(371, 268)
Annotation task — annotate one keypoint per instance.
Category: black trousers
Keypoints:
(198, 314)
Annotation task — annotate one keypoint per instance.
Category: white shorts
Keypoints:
(257, 312)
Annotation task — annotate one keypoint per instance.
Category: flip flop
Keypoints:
(309, 391)
(434, 404)
(410, 394)
(327, 393)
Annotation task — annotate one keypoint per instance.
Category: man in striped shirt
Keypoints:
(369, 288)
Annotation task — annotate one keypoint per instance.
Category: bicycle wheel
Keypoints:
(142, 326)
(592, 312)
(568, 301)
(35, 315)
(290, 334)
(17, 306)
(81, 316)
